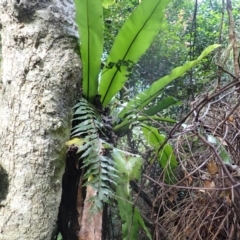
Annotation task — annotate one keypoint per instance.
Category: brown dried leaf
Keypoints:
(171, 198)
(227, 195)
(188, 177)
(212, 167)
(230, 118)
(209, 184)
(228, 200)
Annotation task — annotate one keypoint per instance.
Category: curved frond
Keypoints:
(144, 98)
(133, 40)
(89, 18)
(99, 170)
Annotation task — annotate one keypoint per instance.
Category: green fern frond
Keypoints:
(100, 172)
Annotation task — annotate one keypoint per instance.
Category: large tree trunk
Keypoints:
(40, 68)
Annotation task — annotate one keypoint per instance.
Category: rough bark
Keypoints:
(40, 68)
(233, 39)
(91, 224)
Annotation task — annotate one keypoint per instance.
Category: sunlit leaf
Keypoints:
(107, 3)
(161, 105)
(144, 98)
(123, 127)
(89, 18)
(127, 164)
(76, 142)
(129, 167)
(166, 156)
(133, 40)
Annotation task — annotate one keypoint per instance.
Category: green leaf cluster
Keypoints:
(89, 18)
(129, 168)
(225, 156)
(144, 98)
(99, 168)
(132, 41)
(166, 156)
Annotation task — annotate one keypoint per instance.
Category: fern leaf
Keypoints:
(100, 171)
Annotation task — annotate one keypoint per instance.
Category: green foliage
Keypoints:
(166, 156)
(161, 105)
(100, 170)
(114, 17)
(107, 3)
(177, 42)
(226, 158)
(144, 98)
(167, 51)
(133, 40)
(208, 31)
(129, 168)
(124, 126)
(89, 18)
(59, 237)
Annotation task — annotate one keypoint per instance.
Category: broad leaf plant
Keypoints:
(108, 169)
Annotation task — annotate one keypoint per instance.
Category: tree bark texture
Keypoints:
(38, 86)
